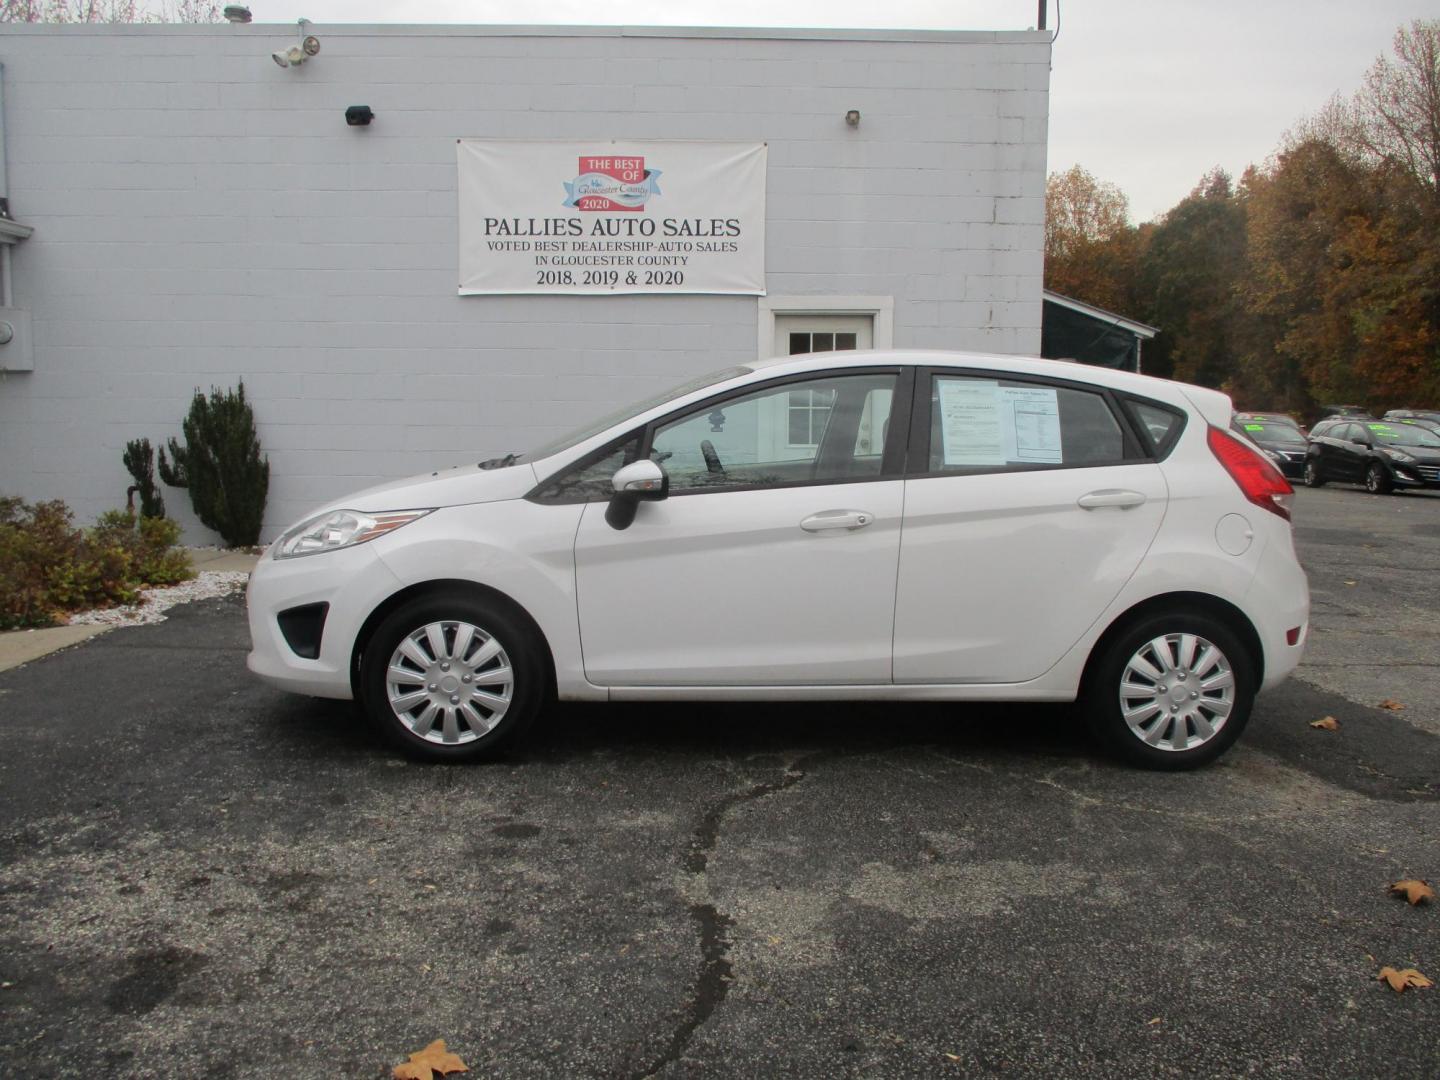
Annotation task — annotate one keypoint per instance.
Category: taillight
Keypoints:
(1258, 479)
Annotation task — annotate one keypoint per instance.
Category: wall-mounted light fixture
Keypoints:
(297, 54)
(359, 115)
(853, 118)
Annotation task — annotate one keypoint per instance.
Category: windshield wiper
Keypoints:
(500, 462)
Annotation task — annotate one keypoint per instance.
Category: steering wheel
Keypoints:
(712, 459)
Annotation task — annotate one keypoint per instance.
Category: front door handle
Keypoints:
(1108, 497)
(837, 519)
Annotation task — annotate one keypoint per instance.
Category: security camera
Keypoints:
(280, 58)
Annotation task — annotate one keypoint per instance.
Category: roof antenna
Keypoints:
(1040, 19)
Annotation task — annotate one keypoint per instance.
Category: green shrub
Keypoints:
(221, 466)
(139, 458)
(49, 567)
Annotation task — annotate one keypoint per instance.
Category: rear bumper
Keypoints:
(1278, 602)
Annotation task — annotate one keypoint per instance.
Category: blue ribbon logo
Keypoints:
(594, 184)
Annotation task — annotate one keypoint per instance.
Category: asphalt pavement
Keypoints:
(203, 877)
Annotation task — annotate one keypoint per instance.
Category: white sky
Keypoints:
(1148, 94)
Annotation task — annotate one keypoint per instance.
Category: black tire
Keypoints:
(1377, 480)
(1101, 696)
(520, 653)
(1313, 478)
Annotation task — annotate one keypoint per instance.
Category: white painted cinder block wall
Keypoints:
(202, 215)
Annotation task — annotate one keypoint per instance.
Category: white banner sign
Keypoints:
(596, 218)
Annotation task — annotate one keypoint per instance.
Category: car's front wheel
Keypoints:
(1173, 691)
(1377, 480)
(1312, 474)
(451, 679)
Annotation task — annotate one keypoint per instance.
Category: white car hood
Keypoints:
(457, 486)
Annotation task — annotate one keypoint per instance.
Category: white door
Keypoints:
(1031, 513)
(759, 568)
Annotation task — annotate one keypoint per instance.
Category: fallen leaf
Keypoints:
(1399, 980)
(434, 1058)
(1148, 1023)
(953, 1057)
(1351, 583)
(1413, 890)
(1326, 723)
(1391, 704)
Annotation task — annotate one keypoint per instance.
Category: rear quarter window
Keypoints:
(1161, 424)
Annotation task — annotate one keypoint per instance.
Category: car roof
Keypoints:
(1144, 385)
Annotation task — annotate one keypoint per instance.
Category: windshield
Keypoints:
(1276, 433)
(609, 420)
(1402, 435)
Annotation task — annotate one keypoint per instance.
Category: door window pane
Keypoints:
(820, 430)
(993, 424)
(591, 478)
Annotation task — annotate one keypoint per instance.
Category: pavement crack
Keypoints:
(712, 981)
(697, 859)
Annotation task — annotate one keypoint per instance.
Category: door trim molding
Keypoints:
(881, 309)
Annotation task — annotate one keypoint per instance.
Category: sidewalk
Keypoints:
(22, 646)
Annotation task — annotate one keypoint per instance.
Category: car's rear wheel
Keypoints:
(1173, 691)
(452, 678)
(1377, 480)
(1312, 474)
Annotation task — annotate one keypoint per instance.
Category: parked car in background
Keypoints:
(1069, 533)
(1282, 442)
(1430, 416)
(1357, 411)
(1272, 418)
(1382, 456)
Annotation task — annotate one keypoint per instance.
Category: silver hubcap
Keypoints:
(1177, 692)
(449, 682)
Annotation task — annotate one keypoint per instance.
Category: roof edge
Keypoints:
(994, 37)
(1139, 329)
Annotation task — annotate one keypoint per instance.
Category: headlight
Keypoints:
(340, 529)
(1397, 455)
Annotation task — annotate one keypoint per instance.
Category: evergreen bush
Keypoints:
(221, 466)
(139, 458)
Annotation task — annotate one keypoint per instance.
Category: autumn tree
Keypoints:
(1090, 248)
(1187, 283)
(1395, 117)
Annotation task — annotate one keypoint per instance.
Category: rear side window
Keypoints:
(983, 425)
(1161, 424)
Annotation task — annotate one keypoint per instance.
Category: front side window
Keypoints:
(590, 478)
(987, 424)
(822, 430)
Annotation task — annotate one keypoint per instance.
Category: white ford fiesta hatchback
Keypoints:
(845, 526)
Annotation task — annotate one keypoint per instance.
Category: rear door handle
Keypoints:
(1108, 497)
(837, 519)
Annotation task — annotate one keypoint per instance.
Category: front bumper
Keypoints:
(1415, 476)
(352, 582)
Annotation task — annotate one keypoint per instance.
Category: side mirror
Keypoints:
(640, 481)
